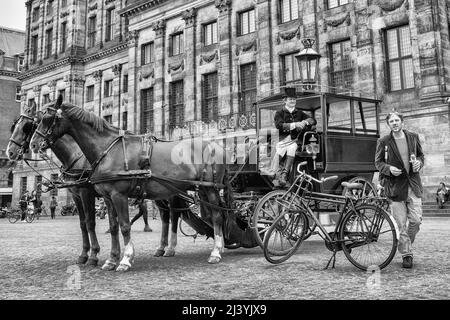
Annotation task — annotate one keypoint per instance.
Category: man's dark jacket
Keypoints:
(396, 187)
(283, 118)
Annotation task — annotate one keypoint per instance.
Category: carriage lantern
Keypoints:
(308, 62)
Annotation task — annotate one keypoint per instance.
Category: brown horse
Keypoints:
(74, 162)
(115, 156)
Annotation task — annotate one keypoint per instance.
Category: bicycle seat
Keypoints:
(352, 186)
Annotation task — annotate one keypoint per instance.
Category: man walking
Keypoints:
(53, 204)
(399, 158)
(142, 205)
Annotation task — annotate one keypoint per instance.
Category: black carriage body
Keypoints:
(343, 143)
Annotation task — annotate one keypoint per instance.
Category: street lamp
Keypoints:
(308, 63)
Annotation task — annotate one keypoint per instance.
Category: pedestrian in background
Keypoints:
(399, 157)
(23, 203)
(53, 205)
(143, 212)
(442, 195)
(155, 210)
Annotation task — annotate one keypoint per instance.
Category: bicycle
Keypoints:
(365, 232)
(13, 215)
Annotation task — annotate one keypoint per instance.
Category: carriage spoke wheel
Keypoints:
(369, 237)
(284, 236)
(268, 208)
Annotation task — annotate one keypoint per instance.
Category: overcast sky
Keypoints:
(13, 14)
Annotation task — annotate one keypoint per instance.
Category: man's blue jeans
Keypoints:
(408, 215)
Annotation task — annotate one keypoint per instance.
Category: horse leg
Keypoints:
(120, 202)
(174, 216)
(114, 257)
(84, 232)
(165, 218)
(88, 199)
(217, 220)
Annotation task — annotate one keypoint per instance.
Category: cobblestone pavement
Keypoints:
(38, 262)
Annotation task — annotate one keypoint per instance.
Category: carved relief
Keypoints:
(207, 58)
(159, 27)
(75, 78)
(97, 75)
(391, 5)
(132, 37)
(175, 67)
(146, 72)
(117, 68)
(246, 47)
(288, 35)
(52, 85)
(93, 7)
(37, 89)
(337, 21)
(189, 16)
(223, 5)
(64, 14)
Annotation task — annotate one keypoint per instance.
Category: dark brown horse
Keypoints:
(115, 156)
(74, 164)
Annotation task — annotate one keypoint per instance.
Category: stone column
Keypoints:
(41, 31)
(28, 36)
(98, 76)
(265, 68)
(225, 66)
(37, 96)
(190, 83)
(117, 90)
(132, 75)
(75, 84)
(159, 109)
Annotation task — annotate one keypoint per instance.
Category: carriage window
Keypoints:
(339, 119)
(266, 119)
(365, 118)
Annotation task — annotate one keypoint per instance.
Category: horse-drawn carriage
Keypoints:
(342, 144)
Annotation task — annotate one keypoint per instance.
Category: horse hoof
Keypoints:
(123, 268)
(109, 266)
(214, 260)
(159, 253)
(92, 262)
(82, 260)
(169, 253)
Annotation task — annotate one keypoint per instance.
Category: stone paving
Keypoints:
(37, 261)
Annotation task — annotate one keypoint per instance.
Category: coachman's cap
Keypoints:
(289, 93)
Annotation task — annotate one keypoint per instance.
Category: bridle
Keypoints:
(26, 140)
(47, 135)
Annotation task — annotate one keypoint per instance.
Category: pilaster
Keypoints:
(189, 16)
(159, 109)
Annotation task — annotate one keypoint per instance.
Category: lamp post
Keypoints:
(308, 63)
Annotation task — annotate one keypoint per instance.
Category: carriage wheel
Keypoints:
(285, 236)
(368, 237)
(268, 208)
(368, 190)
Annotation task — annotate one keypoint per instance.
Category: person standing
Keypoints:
(399, 157)
(143, 212)
(23, 203)
(53, 205)
(442, 195)
(291, 124)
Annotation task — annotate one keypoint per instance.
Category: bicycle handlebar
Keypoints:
(311, 177)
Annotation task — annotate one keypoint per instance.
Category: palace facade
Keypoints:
(176, 67)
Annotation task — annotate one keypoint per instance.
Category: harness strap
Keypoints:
(104, 153)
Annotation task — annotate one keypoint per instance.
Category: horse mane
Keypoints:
(76, 113)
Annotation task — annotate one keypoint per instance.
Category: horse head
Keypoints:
(50, 128)
(21, 131)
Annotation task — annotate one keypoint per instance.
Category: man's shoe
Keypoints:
(147, 229)
(407, 262)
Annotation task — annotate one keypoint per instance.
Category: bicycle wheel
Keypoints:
(284, 236)
(368, 237)
(186, 229)
(13, 216)
(30, 217)
(268, 208)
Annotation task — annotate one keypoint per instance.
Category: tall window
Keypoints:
(108, 119)
(147, 110)
(23, 185)
(125, 83)
(90, 93)
(110, 20)
(18, 93)
(48, 43)
(63, 37)
(399, 58)
(125, 120)
(290, 68)
(147, 53)
(288, 10)
(336, 3)
(50, 8)
(34, 49)
(210, 101)
(341, 65)
(54, 191)
(176, 103)
(35, 14)
(46, 99)
(108, 89)
(247, 22)
(247, 87)
(63, 3)
(20, 61)
(92, 31)
(176, 44)
(210, 33)
(38, 185)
